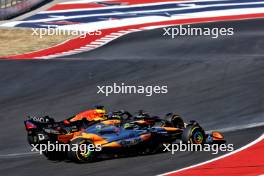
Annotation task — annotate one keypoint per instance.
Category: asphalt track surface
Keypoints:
(218, 82)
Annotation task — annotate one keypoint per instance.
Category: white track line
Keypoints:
(17, 154)
(129, 6)
(218, 158)
(93, 45)
(241, 127)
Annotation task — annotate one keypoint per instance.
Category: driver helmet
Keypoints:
(100, 110)
(142, 114)
(128, 126)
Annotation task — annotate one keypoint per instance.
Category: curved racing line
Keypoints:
(150, 21)
(244, 161)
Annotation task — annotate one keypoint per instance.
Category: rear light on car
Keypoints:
(66, 122)
(30, 125)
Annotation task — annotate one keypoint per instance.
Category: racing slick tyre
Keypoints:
(194, 134)
(54, 155)
(78, 155)
(32, 138)
(177, 121)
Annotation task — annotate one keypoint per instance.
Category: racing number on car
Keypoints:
(40, 119)
(41, 137)
(131, 142)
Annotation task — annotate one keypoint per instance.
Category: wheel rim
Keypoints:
(198, 137)
(87, 152)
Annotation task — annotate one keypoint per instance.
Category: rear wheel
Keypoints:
(153, 148)
(81, 154)
(54, 155)
(193, 134)
(32, 138)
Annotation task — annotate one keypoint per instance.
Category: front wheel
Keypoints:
(80, 151)
(177, 121)
(193, 134)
